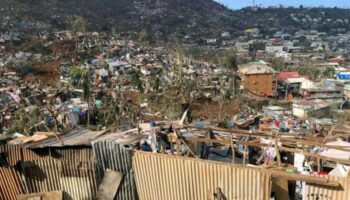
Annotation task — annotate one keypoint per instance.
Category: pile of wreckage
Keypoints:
(279, 154)
(170, 160)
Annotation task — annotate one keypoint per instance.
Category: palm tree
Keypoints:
(79, 78)
(155, 84)
(135, 76)
(180, 55)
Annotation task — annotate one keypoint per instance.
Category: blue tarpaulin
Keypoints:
(343, 76)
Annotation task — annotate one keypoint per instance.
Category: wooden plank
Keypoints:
(280, 188)
(109, 186)
(225, 142)
(278, 153)
(305, 178)
(315, 155)
(55, 195)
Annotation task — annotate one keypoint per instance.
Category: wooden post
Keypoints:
(246, 152)
(188, 148)
(233, 151)
(278, 153)
(177, 143)
(329, 134)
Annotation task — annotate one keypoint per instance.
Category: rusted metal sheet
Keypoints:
(77, 179)
(15, 153)
(114, 156)
(11, 184)
(161, 177)
(84, 154)
(318, 192)
(12, 154)
(41, 175)
(73, 138)
(29, 155)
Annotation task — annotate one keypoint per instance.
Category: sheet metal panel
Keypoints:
(16, 153)
(41, 175)
(11, 184)
(29, 155)
(114, 156)
(77, 179)
(73, 154)
(318, 192)
(161, 177)
(73, 138)
(13, 154)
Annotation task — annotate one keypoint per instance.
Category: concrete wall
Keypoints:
(260, 84)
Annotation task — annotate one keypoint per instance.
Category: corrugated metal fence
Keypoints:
(114, 156)
(10, 183)
(76, 179)
(161, 177)
(13, 154)
(313, 192)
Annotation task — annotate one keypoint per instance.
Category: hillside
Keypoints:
(165, 19)
(160, 18)
(291, 19)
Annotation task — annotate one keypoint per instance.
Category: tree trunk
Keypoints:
(88, 112)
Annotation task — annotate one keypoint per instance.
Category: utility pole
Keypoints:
(254, 8)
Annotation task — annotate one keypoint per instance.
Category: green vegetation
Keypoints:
(228, 59)
(155, 84)
(342, 117)
(79, 78)
(224, 57)
(135, 76)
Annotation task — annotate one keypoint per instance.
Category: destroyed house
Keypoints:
(323, 93)
(99, 165)
(75, 163)
(310, 108)
(149, 70)
(258, 79)
(117, 67)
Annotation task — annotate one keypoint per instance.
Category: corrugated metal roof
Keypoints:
(161, 177)
(77, 179)
(286, 75)
(295, 80)
(117, 157)
(255, 68)
(11, 184)
(73, 138)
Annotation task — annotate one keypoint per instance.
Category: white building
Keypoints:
(274, 49)
(285, 55)
(288, 45)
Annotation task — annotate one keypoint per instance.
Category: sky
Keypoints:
(236, 4)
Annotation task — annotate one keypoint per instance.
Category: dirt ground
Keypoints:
(212, 110)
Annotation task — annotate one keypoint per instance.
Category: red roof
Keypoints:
(285, 75)
(338, 59)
